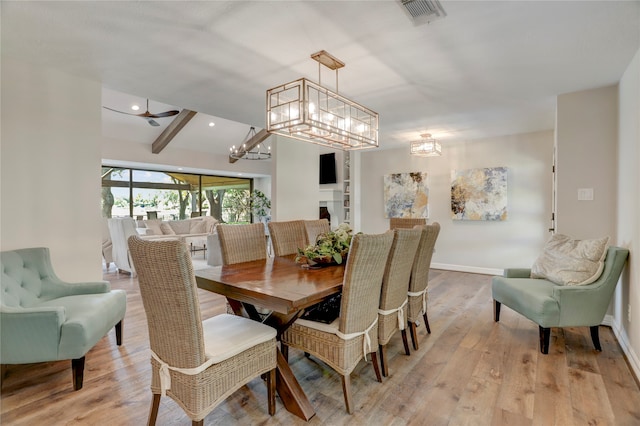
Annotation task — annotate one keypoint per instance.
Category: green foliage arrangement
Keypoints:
(330, 247)
(260, 204)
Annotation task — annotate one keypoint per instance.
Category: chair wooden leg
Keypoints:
(414, 334)
(285, 351)
(77, 370)
(376, 367)
(346, 389)
(496, 310)
(595, 337)
(545, 334)
(271, 391)
(197, 423)
(383, 360)
(153, 411)
(405, 342)
(119, 333)
(426, 322)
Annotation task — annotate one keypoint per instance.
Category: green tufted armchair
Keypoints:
(553, 305)
(43, 318)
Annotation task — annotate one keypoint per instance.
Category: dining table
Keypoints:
(283, 288)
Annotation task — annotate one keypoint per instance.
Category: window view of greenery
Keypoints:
(147, 194)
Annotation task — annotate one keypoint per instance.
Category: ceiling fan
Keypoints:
(147, 115)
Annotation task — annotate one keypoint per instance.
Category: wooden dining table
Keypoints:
(280, 285)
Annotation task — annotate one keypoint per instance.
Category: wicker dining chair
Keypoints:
(314, 228)
(392, 314)
(242, 243)
(287, 237)
(419, 282)
(197, 363)
(405, 222)
(348, 339)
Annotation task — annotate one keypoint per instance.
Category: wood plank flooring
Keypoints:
(469, 371)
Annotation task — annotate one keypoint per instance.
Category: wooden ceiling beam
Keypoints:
(172, 130)
(251, 143)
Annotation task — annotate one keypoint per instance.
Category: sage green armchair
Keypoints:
(552, 305)
(43, 318)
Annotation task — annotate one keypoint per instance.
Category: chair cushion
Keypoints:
(228, 335)
(530, 297)
(331, 328)
(88, 318)
(571, 262)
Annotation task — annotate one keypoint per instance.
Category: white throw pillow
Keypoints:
(180, 227)
(166, 229)
(198, 227)
(571, 262)
(154, 226)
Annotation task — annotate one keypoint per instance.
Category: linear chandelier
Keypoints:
(246, 152)
(426, 147)
(309, 112)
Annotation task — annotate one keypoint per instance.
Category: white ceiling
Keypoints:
(488, 68)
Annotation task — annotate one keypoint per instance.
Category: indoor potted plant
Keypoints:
(329, 248)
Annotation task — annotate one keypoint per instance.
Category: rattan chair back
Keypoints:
(314, 228)
(242, 243)
(421, 264)
(180, 366)
(165, 276)
(396, 278)
(405, 222)
(287, 237)
(363, 280)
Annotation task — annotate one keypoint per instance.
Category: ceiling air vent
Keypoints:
(423, 11)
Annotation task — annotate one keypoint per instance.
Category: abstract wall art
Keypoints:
(479, 194)
(406, 195)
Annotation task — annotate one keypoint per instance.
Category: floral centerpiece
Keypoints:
(330, 247)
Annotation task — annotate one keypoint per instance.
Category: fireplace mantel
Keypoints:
(332, 200)
(332, 195)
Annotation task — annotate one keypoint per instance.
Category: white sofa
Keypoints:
(120, 229)
(192, 231)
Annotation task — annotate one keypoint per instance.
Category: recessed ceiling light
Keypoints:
(135, 107)
(211, 124)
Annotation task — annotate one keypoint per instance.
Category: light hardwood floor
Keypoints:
(469, 371)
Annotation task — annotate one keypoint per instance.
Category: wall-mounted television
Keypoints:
(328, 168)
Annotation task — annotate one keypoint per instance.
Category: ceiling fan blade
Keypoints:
(164, 114)
(121, 112)
(151, 121)
(147, 115)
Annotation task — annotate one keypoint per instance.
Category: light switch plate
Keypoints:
(585, 194)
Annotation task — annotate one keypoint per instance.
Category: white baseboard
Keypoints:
(608, 320)
(470, 269)
(620, 334)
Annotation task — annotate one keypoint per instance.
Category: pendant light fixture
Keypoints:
(249, 150)
(426, 147)
(309, 112)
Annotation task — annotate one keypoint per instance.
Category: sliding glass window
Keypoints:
(148, 194)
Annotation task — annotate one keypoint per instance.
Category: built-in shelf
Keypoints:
(346, 187)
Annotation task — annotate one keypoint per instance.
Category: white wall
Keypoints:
(465, 245)
(587, 136)
(50, 167)
(172, 158)
(628, 213)
(294, 179)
